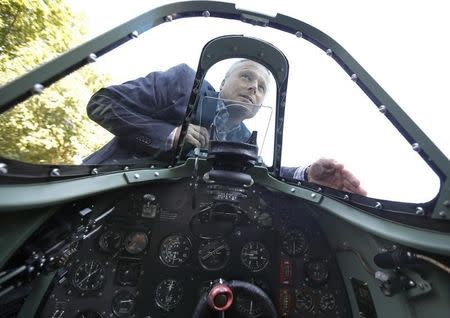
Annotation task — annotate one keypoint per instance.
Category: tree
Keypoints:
(51, 127)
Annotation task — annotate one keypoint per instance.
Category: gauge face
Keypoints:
(317, 271)
(88, 314)
(303, 300)
(168, 294)
(110, 241)
(294, 243)
(254, 256)
(175, 250)
(123, 303)
(327, 302)
(248, 306)
(214, 255)
(136, 242)
(89, 276)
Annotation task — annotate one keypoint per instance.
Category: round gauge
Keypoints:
(327, 302)
(303, 300)
(168, 294)
(248, 306)
(123, 303)
(175, 250)
(294, 243)
(254, 256)
(88, 314)
(110, 241)
(214, 255)
(136, 242)
(89, 276)
(317, 271)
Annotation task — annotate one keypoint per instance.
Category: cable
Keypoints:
(434, 262)
(361, 259)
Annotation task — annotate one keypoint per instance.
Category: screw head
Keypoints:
(3, 168)
(313, 195)
(168, 18)
(299, 34)
(330, 52)
(55, 172)
(134, 34)
(136, 176)
(354, 77)
(382, 109)
(416, 147)
(156, 174)
(92, 58)
(94, 171)
(37, 88)
(206, 14)
(420, 211)
(378, 206)
(346, 197)
(442, 214)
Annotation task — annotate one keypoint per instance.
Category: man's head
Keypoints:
(246, 81)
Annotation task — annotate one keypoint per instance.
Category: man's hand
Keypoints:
(196, 135)
(330, 173)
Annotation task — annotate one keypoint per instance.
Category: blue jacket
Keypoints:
(142, 113)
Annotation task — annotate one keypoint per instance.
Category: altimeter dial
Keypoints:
(175, 250)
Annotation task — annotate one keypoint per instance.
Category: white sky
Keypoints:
(404, 46)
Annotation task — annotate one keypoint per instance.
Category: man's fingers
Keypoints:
(192, 140)
(199, 134)
(205, 134)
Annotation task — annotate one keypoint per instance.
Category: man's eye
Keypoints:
(245, 76)
(262, 88)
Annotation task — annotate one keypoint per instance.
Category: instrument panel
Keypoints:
(158, 264)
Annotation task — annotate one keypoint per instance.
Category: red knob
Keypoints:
(220, 297)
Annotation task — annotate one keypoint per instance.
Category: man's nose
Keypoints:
(253, 86)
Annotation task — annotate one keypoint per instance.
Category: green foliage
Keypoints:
(52, 127)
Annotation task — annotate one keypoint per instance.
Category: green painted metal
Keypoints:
(40, 286)
(16, 228)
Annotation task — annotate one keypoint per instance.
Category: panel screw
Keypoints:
(37, 89)
(442, 214)
(382, 109)
(134, 34)
(354, 77)
(3, 168)
(55, 172)
(156, 174)
(126, 168)
(168, 18)
(446, 202)
(420, 211)
(346, 197)
(411, 283)
(313, 195)
(94, 171)
(416, 147)
(292, 190)
(92, 58)
(299, 34)
(137, 176)
(330, 52)
(378, 206)
(206, 14)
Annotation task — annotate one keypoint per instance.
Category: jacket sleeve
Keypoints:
(144, 112)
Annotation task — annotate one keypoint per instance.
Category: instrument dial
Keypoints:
(248, 306)
(294, 243)
(175, 250)
(123, 303)
(136, 242)
(327, 302)
(110, 241)
(89, 276)
(317, 272)
(254, 256)
(303, 300)
(168, 294)
(214, 255)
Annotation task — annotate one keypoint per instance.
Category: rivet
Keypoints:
(206, 14)
(382, 109)
(442, 214)
(55, 172)
(446, 202)
(3, 168)
(416, 147)
(152, 167)
(319, 189)
(94, 171)
(299, 34)
(346, 197)
(92, 58)
(378, 206)
(137, 176)
(37, 89)
(126, 168)
(292, 190)
(168, 18)
(134, 34)
(354, 77)
(156, 174)
(411, 283)
(313, 195)
(420, 211)
(329, 52)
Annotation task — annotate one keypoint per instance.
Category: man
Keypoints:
(145, 115)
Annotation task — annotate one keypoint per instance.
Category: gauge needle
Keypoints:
(211, 253)
(126, 301)
(89, 275)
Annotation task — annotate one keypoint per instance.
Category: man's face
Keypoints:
(247, 83)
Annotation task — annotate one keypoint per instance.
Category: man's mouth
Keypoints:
(247, 98)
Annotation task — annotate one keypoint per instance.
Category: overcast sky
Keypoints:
(402, 44)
